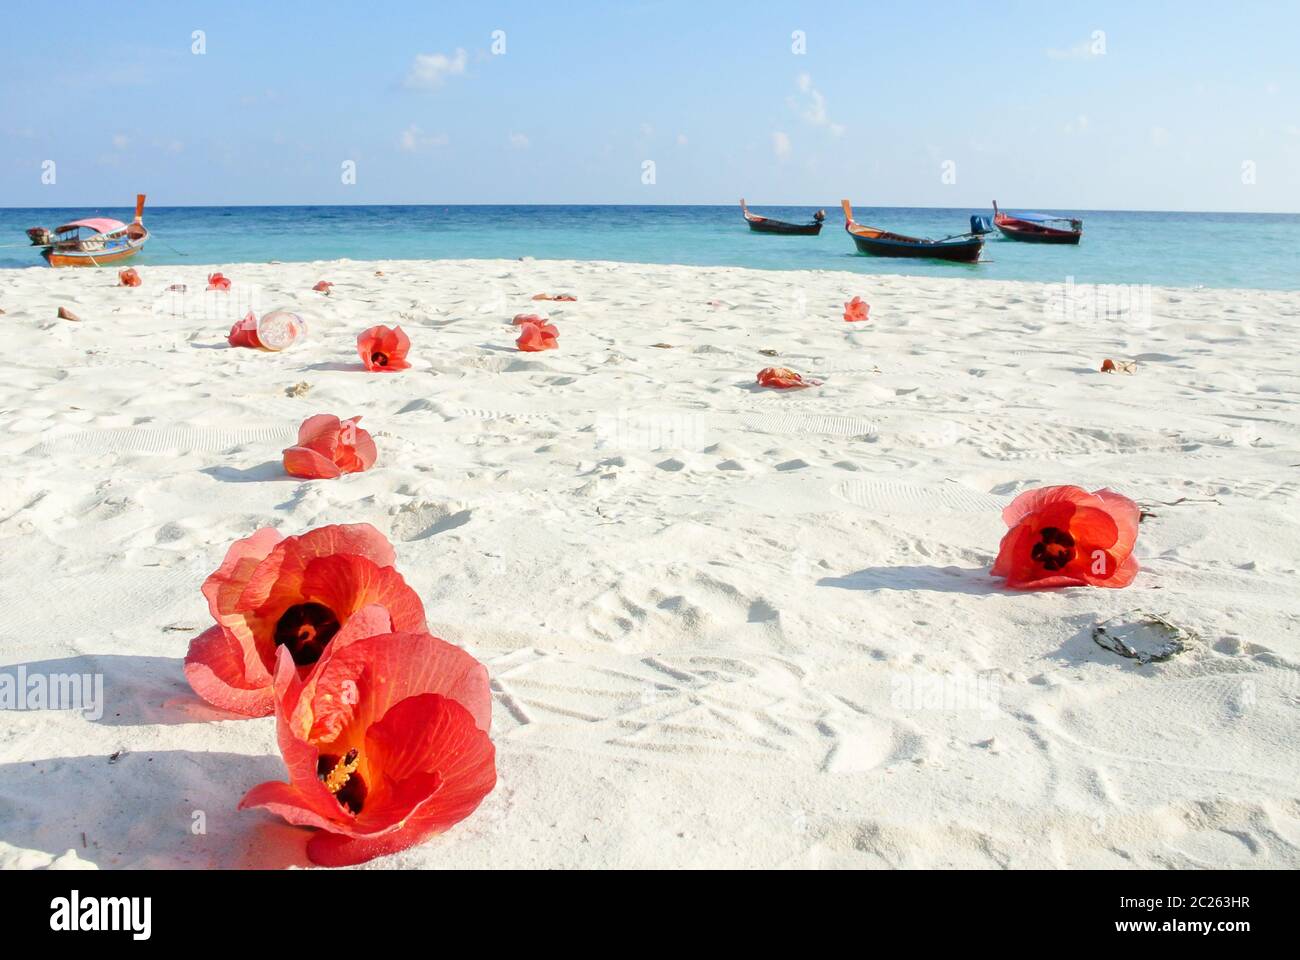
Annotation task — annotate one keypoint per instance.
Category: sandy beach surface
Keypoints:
(725, 626)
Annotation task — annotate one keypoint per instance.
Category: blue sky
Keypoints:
(1126, 105)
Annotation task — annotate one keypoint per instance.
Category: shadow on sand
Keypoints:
(136, 691)
(170, 808)
(970, 580)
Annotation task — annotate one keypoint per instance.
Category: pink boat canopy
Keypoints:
(98, 224)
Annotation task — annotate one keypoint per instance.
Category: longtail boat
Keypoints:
(768, 225)
(1037, 227)
(93, 241)
(964, 248)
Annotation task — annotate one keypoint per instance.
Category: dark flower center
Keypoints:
(1054, 549)
(379, 359)
(339, 774)
(305, 629)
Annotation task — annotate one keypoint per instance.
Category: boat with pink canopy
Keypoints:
(92, 241)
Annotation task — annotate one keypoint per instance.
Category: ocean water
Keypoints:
(1166, 249)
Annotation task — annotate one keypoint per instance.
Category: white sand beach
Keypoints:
(725, 626)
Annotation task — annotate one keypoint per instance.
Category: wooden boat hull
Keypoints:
(1041, 235)
(764, 225)
(1036, 229)
(964, 250)
(112, 253)
(768, 225)
(883, 243)
(109, 241)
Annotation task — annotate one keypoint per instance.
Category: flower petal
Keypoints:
(355, 684)
(214, 667)
(322, 424)
(310, 465)
(1034, 501)
(426, 730)
(1125, 513)
(346, 583)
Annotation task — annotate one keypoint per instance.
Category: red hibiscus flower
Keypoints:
(384, 350)
(325, 588)
(128, 277)
(386, 744)
(322, 286)
(783, 378)
(328, 447)
(217, 282)
(244, 333)
(856, 310)
(1065, 536)
(537, 336)
(522, 318)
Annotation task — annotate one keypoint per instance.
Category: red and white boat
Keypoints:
(1037, 227)
(92, 242)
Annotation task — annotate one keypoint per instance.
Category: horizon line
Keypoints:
(461, 203)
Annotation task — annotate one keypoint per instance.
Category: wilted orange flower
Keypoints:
(783, 378)
(384, 350)
(128, 277)
(217, 282)
(537, 336)
(244, 333)
(328, 447)
(1064, 536)
(386, 744)
(331, 585)
(323, 286)
(856, 310)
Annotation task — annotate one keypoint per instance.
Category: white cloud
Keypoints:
(812, 106)
(413, 140)
(520, 141)
(647, 130)
(1078, 125)
(681, 140)
(120, 141)
(429, 70)
(1159, 136)
(781, 145)
(1093, 46)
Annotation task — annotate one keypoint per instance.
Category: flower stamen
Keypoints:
(338, 777)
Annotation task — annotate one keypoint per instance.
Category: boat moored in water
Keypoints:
(1037, 227)
(93, 241)
(964, 248)
(768, 225)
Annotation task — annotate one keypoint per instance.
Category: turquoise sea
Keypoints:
(1168, 249)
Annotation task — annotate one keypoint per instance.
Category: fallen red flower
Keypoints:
(217, 282)
(522, 318)
(326, 588)
(323, 286)
(129, 277)
(1064, 536)
(384, 350)
(328, 447)
(856, 309)
(783, 378)
(537, 336)
(244, 333)
(386, 744)
(560, 297)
